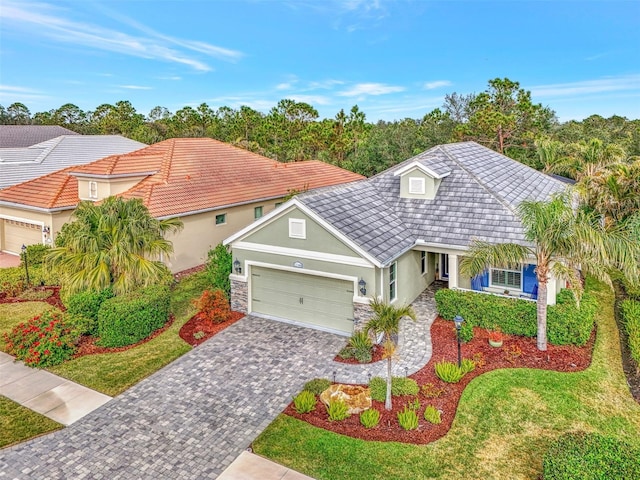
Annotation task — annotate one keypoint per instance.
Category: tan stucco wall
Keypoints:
(106, 188)
(52, 220)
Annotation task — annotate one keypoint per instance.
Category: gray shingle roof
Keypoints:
(477, 200)
(20, 136)
(19, 165)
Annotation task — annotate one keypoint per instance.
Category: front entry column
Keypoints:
(453, 271)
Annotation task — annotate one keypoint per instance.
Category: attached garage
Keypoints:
(325, 303)
(17, 233)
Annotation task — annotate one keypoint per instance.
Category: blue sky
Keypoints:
(394, 59)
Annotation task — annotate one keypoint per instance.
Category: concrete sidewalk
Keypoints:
(55, 397)
(249, 466)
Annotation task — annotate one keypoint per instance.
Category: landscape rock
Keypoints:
(357, 398)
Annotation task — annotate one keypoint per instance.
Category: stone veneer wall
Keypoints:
(239, 296)
(362, 313)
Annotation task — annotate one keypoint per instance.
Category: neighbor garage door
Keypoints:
(18, 233)
(319, 301)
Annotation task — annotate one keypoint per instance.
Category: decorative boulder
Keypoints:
(357, 399)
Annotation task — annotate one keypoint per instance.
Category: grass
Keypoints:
(18, 423)
(505, 422)
(113, 373)
(11, 314)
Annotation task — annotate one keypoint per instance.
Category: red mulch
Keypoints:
(376, 355)
(559, 358)
(185, 273)
(53, 299)
(198, 324)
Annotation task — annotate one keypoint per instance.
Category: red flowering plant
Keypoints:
(43, 341)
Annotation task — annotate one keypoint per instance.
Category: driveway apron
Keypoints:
(192, 418)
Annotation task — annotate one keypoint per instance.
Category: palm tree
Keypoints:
(386, 321)
(561, 240)
(115, 243)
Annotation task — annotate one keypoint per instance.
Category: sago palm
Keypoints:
(116, 243)
(561, 239)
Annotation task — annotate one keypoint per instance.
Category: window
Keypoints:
(392, 281)
(278, 204)
(257, 212)
(416, 185)
(297, 228)
(507, 278)
(221, 219)
(423, 262)
(93, 190)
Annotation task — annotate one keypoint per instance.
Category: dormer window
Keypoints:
(416, 186)
(93, 189)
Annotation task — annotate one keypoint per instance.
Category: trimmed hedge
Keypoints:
(86, 305)
(129, 318)
(35, 254)
(630, 310)
(586, 456)
(13, 276)
(566, 324)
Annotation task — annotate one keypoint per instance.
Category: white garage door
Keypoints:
(18, 233)
(317, 301)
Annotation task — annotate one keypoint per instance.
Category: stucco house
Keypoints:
(215, 188)
(320, 258)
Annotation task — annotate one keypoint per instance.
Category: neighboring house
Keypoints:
(18, 165)
(20, 136)
(321, 257)
(214, 188)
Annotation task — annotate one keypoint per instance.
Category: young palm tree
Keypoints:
(114, 243)
(386, 321)
(562, 238)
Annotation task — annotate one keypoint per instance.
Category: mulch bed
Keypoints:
(185, 273)
(199, 324)
(558, 358)
(376, 355)
(53, 299)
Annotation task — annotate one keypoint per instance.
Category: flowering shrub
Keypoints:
(214, 306)
(42, 341)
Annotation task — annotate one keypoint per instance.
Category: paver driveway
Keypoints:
(190, 419)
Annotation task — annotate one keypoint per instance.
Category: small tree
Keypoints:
(219, 262)
(386, 320)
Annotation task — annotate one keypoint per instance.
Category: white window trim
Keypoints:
(93, 189)
(224, 222)
(255, 211)
(416, 182)
(424, 267)
(520, 271)
(394, 282)
(297, 223)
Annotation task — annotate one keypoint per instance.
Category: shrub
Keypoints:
(337, 410)
(630, 310)
(304, 402)
(317, 385)
(127, 319)
(408, 419)
(399, 386)
(449, 371)
(566, 323)
(35, 254)
(360, 340)
(580, 455)
(359, 347)
(370, 418)
(218, 268)
(214, 306)
(466, 332)
(467, 365)
(87, 305)
(346, 353)
(429, 390)
(432, 415)
(43, 341)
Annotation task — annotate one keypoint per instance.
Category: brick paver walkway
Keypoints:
(195, 416)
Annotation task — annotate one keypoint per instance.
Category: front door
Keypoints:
(444, 266)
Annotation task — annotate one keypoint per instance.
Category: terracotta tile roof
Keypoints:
(189, 174)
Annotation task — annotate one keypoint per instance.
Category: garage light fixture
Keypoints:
(237, 267)
(363, 287)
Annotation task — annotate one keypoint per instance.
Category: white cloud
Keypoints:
(370, 89)
(437, 84)
(41, 20)
(324, 84)
(606, 84)
(310, 99)
(284, 86)
(135, 87)
(11, 93)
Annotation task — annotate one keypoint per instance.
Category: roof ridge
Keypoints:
(60, 191)
(166, 165)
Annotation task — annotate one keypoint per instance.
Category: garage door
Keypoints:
(17, 234)
(318, 301)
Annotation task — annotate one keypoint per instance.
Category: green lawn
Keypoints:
(113, 373)
(18, 423)
(505, 422)
(11, 314)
